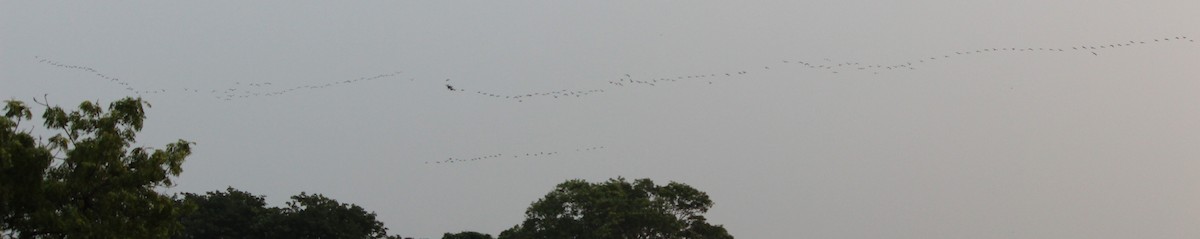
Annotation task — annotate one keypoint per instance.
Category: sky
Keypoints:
(800, 119)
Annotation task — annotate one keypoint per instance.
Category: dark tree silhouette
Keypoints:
(618, 209)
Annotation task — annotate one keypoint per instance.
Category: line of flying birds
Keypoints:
(266, 89)
(452, 160)
(230, 93)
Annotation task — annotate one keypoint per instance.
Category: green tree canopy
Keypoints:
(466, 235)
(238, 214)
(228, 214)
(316, 216)
(86, 181)
(618, 209)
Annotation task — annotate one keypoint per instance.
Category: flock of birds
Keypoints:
(266, 89)
(453, 160)
(913, 63)
(241, 93)
(237, 91)
(521, 97)
(114, 80)
(244, 90)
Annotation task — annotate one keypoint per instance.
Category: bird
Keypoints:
(449, 87)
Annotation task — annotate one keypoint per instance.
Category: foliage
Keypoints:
(86, 181)
(238, 214)
(618, 209)
(466, 235)
(228, 214)
(315, 216)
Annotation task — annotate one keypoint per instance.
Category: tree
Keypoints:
(618, 209)
(238, 214)
(86, 181)
(228, 214)
(466, 235)
(316, 216)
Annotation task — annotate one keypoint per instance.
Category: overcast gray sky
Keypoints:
(964, 121)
